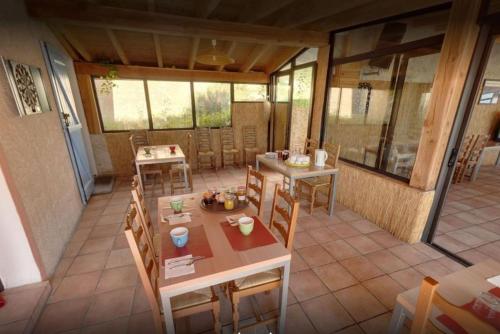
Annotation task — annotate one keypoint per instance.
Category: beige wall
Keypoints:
(246, 113)
(34, 146)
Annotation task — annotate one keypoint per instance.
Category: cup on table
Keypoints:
(280, 154)
(179, 236)
(147, 150)
(172, 149)
(176, 205)
(245, 225)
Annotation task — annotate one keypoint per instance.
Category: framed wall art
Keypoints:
(27, 87)
(490, 93)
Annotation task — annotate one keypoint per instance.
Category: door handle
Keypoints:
(453, 157)
(66, 118)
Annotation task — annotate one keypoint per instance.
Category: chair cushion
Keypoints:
(190, 299)
(258, 279)
(316, 181)
(208, 153)
(179, 167)
(230, 150)
(251, 149)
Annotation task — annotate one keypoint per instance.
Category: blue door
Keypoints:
(58, 63)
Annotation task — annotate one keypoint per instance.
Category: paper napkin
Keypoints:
(233, 220)
(178, 266)
(495, 280)
(180, 218)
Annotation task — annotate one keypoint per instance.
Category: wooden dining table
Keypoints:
(160, 154)
(296, 173)
(458, 288)
(224, 263)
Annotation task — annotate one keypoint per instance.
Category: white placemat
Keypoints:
(175, 219)
(495, 280)
(179, 266)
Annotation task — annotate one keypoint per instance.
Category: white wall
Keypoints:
(19, 267)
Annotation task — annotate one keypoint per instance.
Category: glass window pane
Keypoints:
(307, 56)
(250, 92)
(286, 67)
(283, 89)
(212, 104)
(122, 104)
(170, 103)
(301, 106)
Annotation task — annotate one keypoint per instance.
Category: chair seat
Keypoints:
(258, 279)
(206, 154)
(177, 167)
(230, 150)
(317, 181)
(251, 149)
(190, 299)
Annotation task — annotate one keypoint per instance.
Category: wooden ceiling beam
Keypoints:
(152, 22)
(64, 42)
(159, 54)
(194, 52)
(281, 58)
(256, 10)
(229, 52)
(117, 46)
(75, 43)
(206, 7)
(142, 72)
(256, 54)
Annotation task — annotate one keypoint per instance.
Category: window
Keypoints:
(377, 101)
(123, 105)
(170, 103)
(212, 104)
(308, 56)
(283, 88)
(250, 93)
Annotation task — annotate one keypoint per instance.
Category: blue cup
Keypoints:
(180, 236)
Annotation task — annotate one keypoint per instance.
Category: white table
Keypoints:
(225, 265)
(160, 154)
(294, 174)
(490, 147)
(458, 288)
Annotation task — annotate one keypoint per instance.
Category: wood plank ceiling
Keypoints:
(260, 35)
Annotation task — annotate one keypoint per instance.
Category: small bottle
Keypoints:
(229, 201)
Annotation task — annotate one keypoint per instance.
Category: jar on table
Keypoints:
(229, 200)
(241, 193)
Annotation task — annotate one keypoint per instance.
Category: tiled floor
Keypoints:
(470, 221)
(346, 272)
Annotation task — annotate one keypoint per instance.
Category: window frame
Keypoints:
(193, 104)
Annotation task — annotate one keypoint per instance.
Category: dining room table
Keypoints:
(225, 253)
(296, 173)
(459, 288)
(160, 154)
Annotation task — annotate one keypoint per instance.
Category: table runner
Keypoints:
(197, 245)
(456, 328)
(260, 236)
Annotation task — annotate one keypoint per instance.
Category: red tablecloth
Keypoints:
(260, 236)
(197, 245)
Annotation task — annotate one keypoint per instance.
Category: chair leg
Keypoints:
(190, 179)
(245, 157)
(235, 300)
(216, 315)
(162, 184)
(313, 199)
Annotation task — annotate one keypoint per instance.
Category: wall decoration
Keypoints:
(490, 93)
(27, 87)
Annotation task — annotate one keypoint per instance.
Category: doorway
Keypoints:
(466, 220)
(57, 64)
(293, 89)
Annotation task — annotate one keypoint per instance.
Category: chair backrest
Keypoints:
(226, 138)
(429, 297)
(310, 145)
(203, 139)
(289, 214)
(249, 136)
(476, 150)
(333, 151)
(143, 212)
(137, 139)
(146, 263)
(256, 189)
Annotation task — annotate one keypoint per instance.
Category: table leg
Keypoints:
(497, 163)
(284, 298)
(257, 164)
(138, 168)
(291, 186)
(333, 194)
(185, 175)
(167, 311)
(475, 171)
(397, 320)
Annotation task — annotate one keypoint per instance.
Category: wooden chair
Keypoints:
(176, 172)
(310, 145)
(227, 146)
(144, 216)
(268, 280)
(429, 297)
(475, 154)
(204, 148)
(315, 184)
(463, 158)
(249, 142)
(138, 139)
(148, 267)
(256, 189)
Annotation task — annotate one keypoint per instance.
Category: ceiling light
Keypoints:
(213, 56)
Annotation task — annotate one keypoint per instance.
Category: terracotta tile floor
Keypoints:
(346, 272)
(470, 220)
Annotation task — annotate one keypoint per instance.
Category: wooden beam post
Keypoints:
(319, 91)
(281, 58)
(205, 7)
(74, 42)
(258, 9)
(64, 42)
(229, 53)
(257, 52)
(456, 56)
(117, 46)
(175, 25)
(194, 52)
(159, 54)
